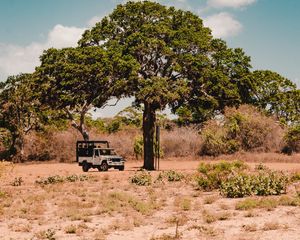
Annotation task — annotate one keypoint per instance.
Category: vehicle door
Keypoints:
(96, 157)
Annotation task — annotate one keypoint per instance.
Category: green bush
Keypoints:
(141, 178)
(138, 147)
(270, 183)
(211, 176)
(237, 186)
(292, 139)
(233, 182)
(170, 176)
(263, 183)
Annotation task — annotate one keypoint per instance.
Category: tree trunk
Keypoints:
(148, 134)
(17, 149)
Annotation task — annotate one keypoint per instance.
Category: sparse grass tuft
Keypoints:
(269, 226)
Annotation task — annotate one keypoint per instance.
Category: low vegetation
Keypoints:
(60, 179)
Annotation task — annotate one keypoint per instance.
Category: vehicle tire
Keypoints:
(121, 168)
(104, 167)
(85, 166)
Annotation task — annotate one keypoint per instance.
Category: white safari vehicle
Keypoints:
(97, 154)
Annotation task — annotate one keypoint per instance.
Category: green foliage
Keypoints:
(114, 126)
(20, 111)
(211, 176)
(131, 116)
(141, 178)
(138, 147)
(163, 51)
(240, 185)
(50, 180)
(292, 139)
(60, 179)
(295, 177)
(269, 183)
(263, 183)
(170, 176)
(233, 182)
(275, 94)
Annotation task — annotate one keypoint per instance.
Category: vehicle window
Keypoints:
(97, 153)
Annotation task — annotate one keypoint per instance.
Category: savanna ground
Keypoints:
(105, 205)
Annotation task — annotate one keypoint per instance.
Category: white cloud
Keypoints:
(94, 20)
(223, 25)
(15, 59)
(229, 3)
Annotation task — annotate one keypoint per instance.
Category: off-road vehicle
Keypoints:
(98, 154)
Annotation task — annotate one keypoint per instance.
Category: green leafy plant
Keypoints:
(239, 185)
(171, 176)
(211, 176)
(141, 178)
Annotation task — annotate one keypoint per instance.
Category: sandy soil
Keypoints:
(108, 206)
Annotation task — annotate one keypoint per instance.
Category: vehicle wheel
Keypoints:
(104, 166)
(121, 168)
(85, 166)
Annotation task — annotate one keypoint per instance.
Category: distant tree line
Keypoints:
(161, 56)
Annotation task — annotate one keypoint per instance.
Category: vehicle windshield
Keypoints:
(107, 152)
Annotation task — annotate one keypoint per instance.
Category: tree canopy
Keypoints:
(76, 79)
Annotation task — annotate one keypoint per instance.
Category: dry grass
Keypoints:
(107, 206)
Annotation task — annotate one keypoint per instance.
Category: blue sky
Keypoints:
(268, 30)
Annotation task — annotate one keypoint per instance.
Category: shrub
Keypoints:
(270, 183)
(245, 129)
(212, 175)
(17, 182)
(292, 139)
(141, 178)
(263, 183)
(138, 147)
(171, 176)
(240, 185)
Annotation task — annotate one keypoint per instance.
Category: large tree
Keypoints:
(163, 41)
(20, 111)
(221, 83)
(275, 94)
(75, 80)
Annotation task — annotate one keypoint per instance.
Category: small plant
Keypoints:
(59, 179)
(209, 217)
(17, 182)
(141, 178)
(211, 176)
(138, 147)
(295, 177)
(185, 204)
(247, 204)
(71, 229)
(72, 178)
(210, 199)
(50, 180)
(48, 234)
(171, 176)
